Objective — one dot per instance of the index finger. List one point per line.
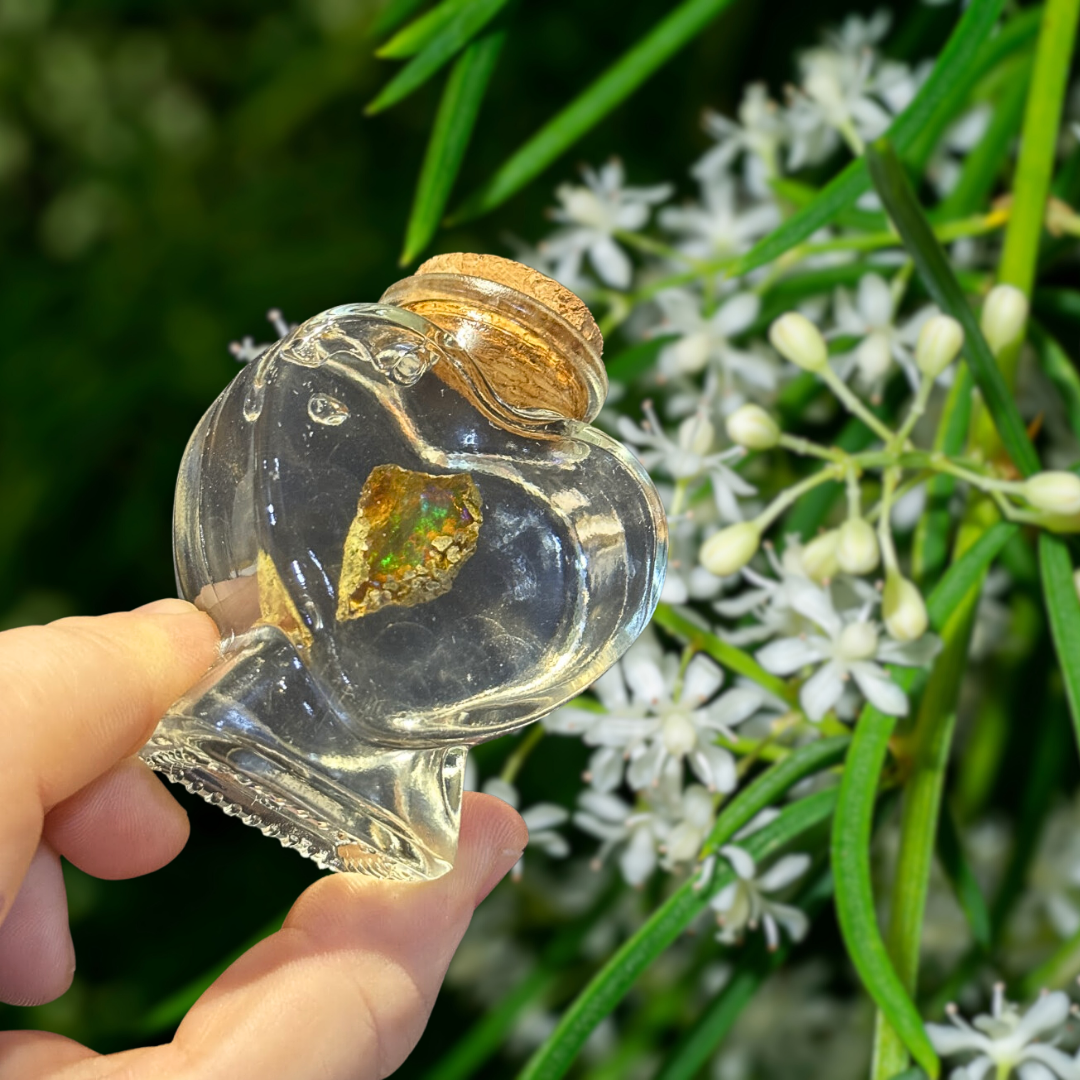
(78, 695)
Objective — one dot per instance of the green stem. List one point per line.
(793, 494)
(521, 753)
(854, 405)
(1038, 143)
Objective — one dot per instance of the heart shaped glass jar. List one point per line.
(412, 541)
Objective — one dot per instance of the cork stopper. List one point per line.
(524, 279)
(528, 349)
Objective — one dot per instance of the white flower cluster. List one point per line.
(821, 621)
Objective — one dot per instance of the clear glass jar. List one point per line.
(412, 541)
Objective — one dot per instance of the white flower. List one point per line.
(772, 600)
(670, 722)
(835, 100)
(742, 904)
(541, 819)
(706, 339)
(718, 228)
(1005, 1040)
(870, 316)
(593, 214)
(758, 135)
(688, 457)
(666, 829)
(847, 646)
(247, 349)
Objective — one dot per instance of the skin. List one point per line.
(343, 990)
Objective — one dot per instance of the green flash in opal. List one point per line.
(411, 535)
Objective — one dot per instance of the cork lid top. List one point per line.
(528, 350)
(524, 279)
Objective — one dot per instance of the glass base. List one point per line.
(388, 813)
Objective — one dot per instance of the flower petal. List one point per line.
(606, 768)
(875, 300)
(715, 767)
(790, 918)
(736, 314)
(1048, 1013)
(783, 872)
(638, 861)
(916, 653)
(879, 689)
(815, 604)
(544, 815)
(734, 706)
(948, 1039)
(821, 691)
(612, 264)
(787, 655)
(703, 677)
(742, 861)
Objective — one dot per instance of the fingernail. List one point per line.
(170, 606)
(501, 864)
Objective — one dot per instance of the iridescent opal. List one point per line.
(412, 533)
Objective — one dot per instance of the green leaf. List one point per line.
(953, 74)
(393, 15)
(1063, 608)
(854, 893)
(1038, 143)
(422, 31)
(967, 571)
(611, 984)
(735, 659)
(933, 266)
(957, 869)
(983, 167)
(465, 25)
(454, 123)
(616, 84)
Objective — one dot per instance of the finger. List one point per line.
(78, 695)
(36, 1054)
(37, 957)
(120, 825)
(344, 990)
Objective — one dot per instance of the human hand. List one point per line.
(344, 989)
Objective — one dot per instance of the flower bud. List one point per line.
(795, 337)
(857, 547)
(1053, 491)
(1003, 316)
(751, 426)
(939, 341)
(696, 435)
(730, 549)
(819, 556)
(903, 609)
(858, 641)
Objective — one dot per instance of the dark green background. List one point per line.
(186, 166)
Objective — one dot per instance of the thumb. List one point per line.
(357, 965)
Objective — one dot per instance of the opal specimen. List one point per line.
(411, 535)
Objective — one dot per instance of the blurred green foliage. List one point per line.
(168, 172)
